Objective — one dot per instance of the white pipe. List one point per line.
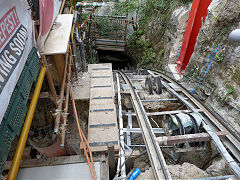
(118, 167)
(121, 133)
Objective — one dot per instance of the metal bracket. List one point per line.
(102, 125)
(101, 110)
(103, 143)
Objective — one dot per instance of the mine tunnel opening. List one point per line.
(119, 60)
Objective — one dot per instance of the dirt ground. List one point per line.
(183, 172)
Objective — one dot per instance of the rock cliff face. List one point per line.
(221, 85)
(167, 45)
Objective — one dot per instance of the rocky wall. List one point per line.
(221, 84)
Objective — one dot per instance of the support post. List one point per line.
(111, 160)
(197, 17)
(50, 80)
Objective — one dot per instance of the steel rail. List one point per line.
(216, 121)
(211, 124)
(154, 152)
(216, 116)
(121, 133)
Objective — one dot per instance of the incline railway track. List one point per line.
(225, 137)
(156, 156)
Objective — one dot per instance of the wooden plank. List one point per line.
(100, 81)
(102, 125)
(108, 48)
(100, 73)
(81, 87)
(108, 117)
(59, 60)
(92, 66)
(51, 161)
(58, 37)
(105, 92)
(109, 41)
(171, 140)
(102, 103)
(165, 112)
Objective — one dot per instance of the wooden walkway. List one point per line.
(102, 123)
(110, 45)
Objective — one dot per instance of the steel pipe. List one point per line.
(26, 127)
(60, 101)
(65, 111)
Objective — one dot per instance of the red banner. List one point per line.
(46, 8)
(8, 24)
(16, 41)
(48, 11)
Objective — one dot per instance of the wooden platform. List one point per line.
(57, 40)
(102, 123)
(81, 87)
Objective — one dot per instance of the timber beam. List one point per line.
(171, 140)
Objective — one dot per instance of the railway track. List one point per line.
(156, 157)
(213, 125)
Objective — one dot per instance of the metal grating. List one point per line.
(14, 117)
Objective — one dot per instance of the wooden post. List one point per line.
(49, 79)
(125, 32)
(111, 161)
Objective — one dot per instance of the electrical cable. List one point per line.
(83, 138)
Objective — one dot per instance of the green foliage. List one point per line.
(230, 91)
(122, 8)
(139, 48)
(195, 72)
(165, 7)
(236, 76)
(223, 32)
(106, 28)
(142, 48)
(219, 57)
(84, 16)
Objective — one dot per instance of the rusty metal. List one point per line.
(60, 101)
(65, 111)
(54, 150)
(211, 124)
(115, 40)
(179, 139)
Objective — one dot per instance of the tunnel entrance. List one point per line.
(119, 60)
